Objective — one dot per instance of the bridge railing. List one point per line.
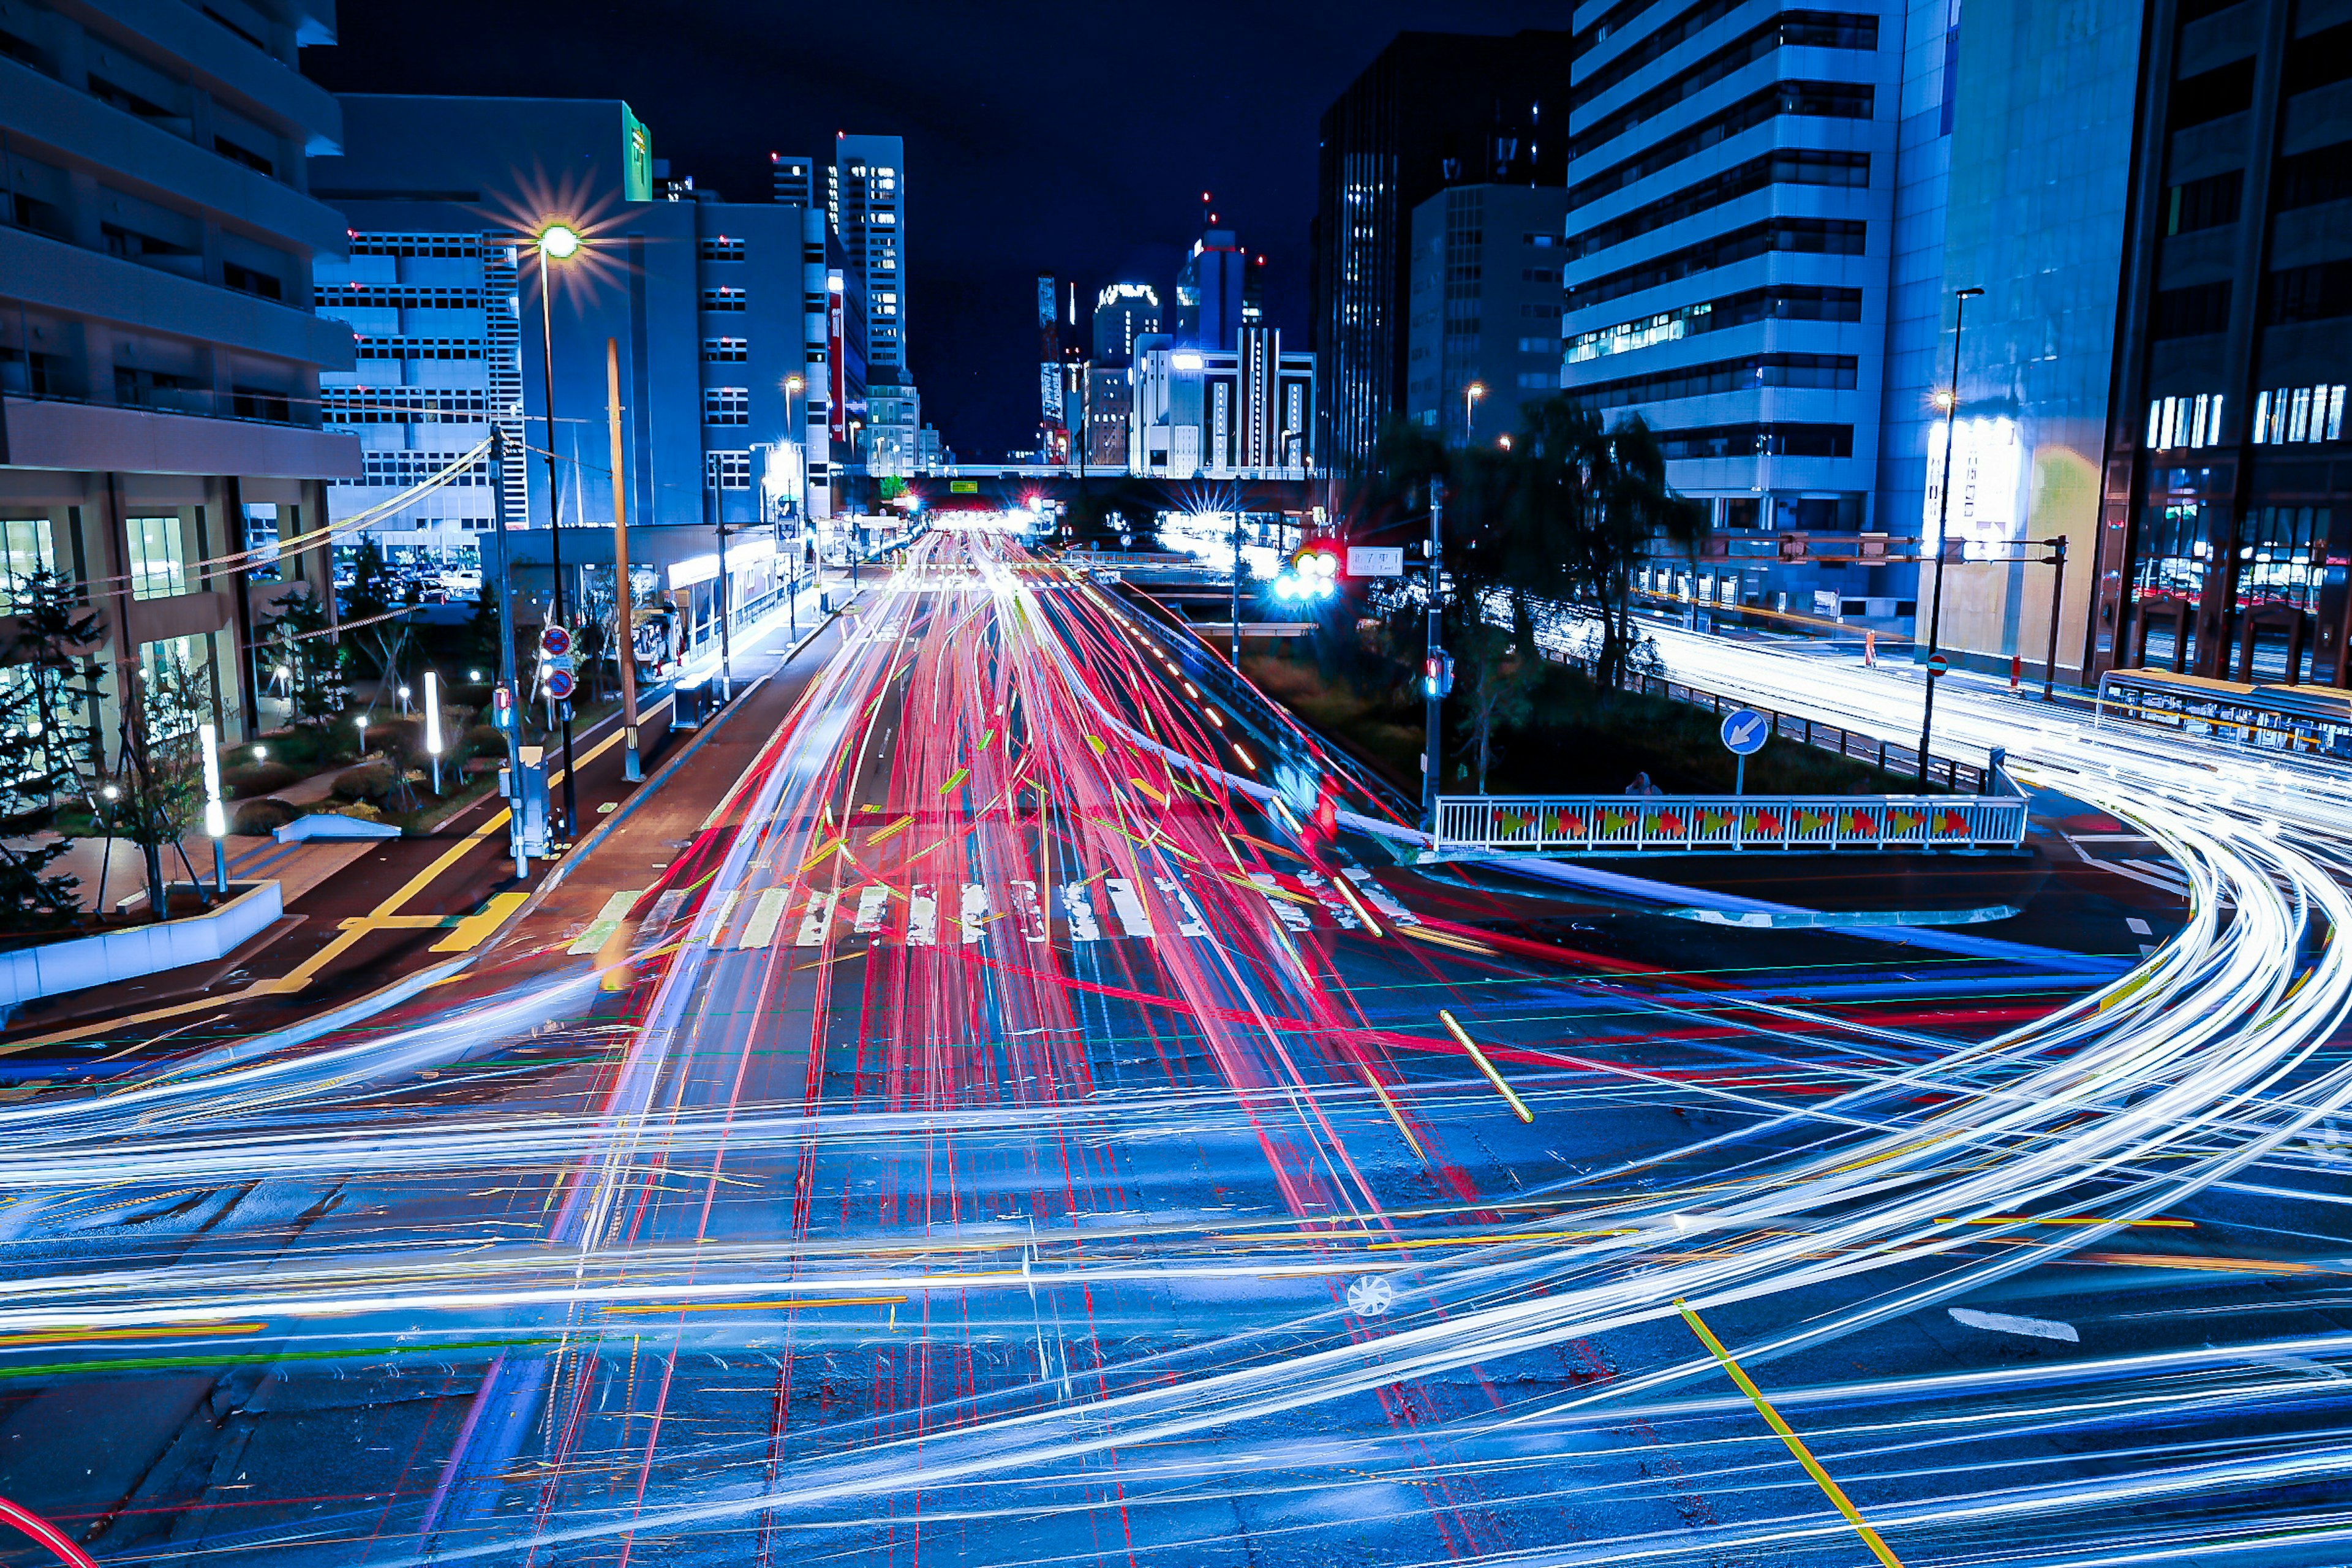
(1624, 824)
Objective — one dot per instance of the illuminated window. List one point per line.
(159, 557)
(26, 548)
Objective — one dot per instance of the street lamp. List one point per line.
(1950, 400)
(559, 241)
(1470, 397)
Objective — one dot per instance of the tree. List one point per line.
(482, 632)
(44, 740)
(303, 656)
(370, 604)
(161, 778)
(1586, 507)
(1499, 691)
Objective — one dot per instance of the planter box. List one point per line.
(75, 963)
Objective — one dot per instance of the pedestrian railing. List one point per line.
(1625, 824)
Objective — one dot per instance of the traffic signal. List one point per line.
(1437, 674)
(1311, 573)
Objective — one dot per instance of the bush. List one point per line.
(259, 818)
(484, 741)
(369, 781)
(248, 779)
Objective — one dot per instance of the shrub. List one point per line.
(259, 818)
(484, 740)
(248, 779)
(369, 781)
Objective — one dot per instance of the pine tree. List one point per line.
(44, 740)
(162, 781)
(302, 654)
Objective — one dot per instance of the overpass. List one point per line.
(1007, 487)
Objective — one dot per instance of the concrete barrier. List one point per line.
(75, 963)
(329, 825)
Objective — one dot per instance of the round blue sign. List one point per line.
(1745, 731)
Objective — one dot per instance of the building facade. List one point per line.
(1729, 225)
(1123, 312)
(865, 201)
(2225, 529)
(160, 407)
(703, 300)
(1247, 411)
(1433, 110)
(1485, 280)
(1211, 289)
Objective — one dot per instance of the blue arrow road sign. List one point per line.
(1745, 731)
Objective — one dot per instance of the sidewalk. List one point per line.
(369, 912)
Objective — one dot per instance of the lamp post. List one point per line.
(1952, 402)
(433, 726)
(794, 387)
(1470, 397)
(505, 673)
(215, 813)
(559, 241)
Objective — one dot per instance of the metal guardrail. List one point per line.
(1702, 822)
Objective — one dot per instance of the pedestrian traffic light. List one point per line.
(1311, 573)
(1437, 674)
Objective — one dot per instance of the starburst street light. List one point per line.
(558, 240)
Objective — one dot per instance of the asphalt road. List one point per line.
(993, 1130)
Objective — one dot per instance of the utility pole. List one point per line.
(1236, 584)
(1943, 543)
(624, 633)
(1429, 745)
(726, 600)
(507, 646)
(2057, 601)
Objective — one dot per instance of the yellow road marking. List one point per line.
(476, 928)
(1787, 1434)
(1518, 1106)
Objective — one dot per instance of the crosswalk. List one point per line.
(1100, 908)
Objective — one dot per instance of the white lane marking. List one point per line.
(1033, 916)
(608, 920)
(665, 910)
(714, 920)
(814, 919)
(1191, 924)
(974, 916)
(873, 904)
(1133, 917)
(1380, 898)
(2138, 926)
(1314, 883)
(2003, 1324)
(1288, 913)
(767, 913)
(922, 917)
(1080, 907)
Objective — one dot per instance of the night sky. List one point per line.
(1073, 138)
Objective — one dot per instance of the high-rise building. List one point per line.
(2227, 499)
(866, 200)
(1730, 219)
(1486, 308)
(1123, 312)
(1433, 110)
(703, 299)
(1111, 404)
(160, 360)
(1211, 288)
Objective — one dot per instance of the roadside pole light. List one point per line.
(260, 753)
(215, 815)
(403, 697)
(1950, 399)
(433, 725)
(1470, 397)
(559, 241)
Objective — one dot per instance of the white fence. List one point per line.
(1632, 823)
